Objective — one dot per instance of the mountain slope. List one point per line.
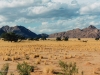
(20, 30)
(90, 32)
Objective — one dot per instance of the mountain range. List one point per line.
(89, 32)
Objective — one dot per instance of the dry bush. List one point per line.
(38, 61)
(36, 56)
(7, 58)
(48, 69)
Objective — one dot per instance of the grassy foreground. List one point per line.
(45, 55)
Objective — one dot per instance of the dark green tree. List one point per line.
(10, 37)
(43, 37)
(58, 39)
(36, 38)
(65, 38)
(79, 38)
(97, 38)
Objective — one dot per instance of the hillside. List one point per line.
(20, 30)
(89, 32)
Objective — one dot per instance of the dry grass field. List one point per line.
(45, 55)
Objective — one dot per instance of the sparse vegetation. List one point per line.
(11, 37)
(68, 69)
(11, 74)
(24, 68)
(96, 38)
(66, 38)
(32, 68)
(58, 39)
(79, 38)
(43, 37)
(47, 53)
(4, 69)
(48, 69)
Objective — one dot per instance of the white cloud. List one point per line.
(52, 15)
(46, 1)
(93, 23)
(65, 25)
(61, 1)
(91, 9)
(2, 18)
(15, 3)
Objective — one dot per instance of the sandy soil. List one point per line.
(85, 54)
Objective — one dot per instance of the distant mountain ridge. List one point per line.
(89, 32)
(20, 30)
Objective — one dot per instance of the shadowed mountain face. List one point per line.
(90, 32)
(20, 30)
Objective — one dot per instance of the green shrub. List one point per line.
(32, 68)
(58, 38)
(4, 69)
(96, 38)
(79, 39)
(65, 38)
(68, 69)
(27, 57)
(24, 68)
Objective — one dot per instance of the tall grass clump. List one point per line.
(4, 69)
(68, 68)
(24, 68)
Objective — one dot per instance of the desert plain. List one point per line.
(47, 54)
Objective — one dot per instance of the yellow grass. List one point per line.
(43, 53)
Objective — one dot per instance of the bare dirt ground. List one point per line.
(49, 53)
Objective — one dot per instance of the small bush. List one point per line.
(32, 68)
(4, 69)
(58, 38)
(24, 68)
(79, 39)
(48, 69)
(68, 69)
(96, 38)
(27, 57)
(11, 74)
(65, 38)
(36, 56)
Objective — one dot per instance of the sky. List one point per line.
(50, 16)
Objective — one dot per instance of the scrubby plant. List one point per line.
(36, 56)
(27, 57)
(48, 69)
(36, 38)
(4, 69)
(79, 38)
(96, 38)
(65, 38)
(11, 74)
(82, 73)
(38, 61)
(58, 39)
(68, 68)
(24, 68)
(32, 68)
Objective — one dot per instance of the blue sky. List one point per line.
(50, 16)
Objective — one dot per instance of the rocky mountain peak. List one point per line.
(92, 27)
